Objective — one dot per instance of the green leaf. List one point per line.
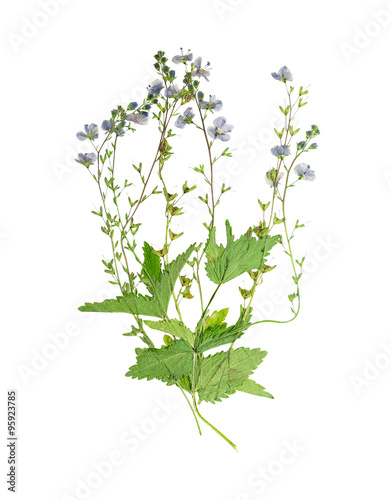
(219, 334)
(276, 220)
(237, 257)
(168, 363)
(252, 387)
(151, 265)
(216, 318)
(161, 290)
(220, 375)
(131, 304)
(173, 327)
(263, 205)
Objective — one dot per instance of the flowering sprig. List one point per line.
(178, 101)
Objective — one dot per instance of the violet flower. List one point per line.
(280, 151)
(86, 159)
(213, 104)
(184, 119)
(304, 172)
(90, 132)
(220, 129)
(200, 71)
(182, 58)
(140, 119)
(283, 75)
(155, 87)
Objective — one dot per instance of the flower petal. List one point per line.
(219, 122)
(217, 105)
(198, 62)
(81, 136)
(180, 122)
(227, 128)
(224, 137)
(212, 132)
(107, 125)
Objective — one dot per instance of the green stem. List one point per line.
(192, 410)
(212, 426)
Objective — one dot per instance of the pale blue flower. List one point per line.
(140, 119)
(90, 132)
(132, 105)
(199, 71)
(280, 151)
(155, 87)
(172, 91)
(109, 126)
(283, 75)
(182, 58)
(220, 129)
(304, 172)
(184, 119)
(213, 104)
(86, 158)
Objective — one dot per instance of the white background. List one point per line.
(327, 370)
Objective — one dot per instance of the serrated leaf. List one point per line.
(131, 304)
(237, 257)
(251, 387)
(161, 290)
(216, 318)
(168, 363)
(219, 334)
(173, 327)
(221, 374)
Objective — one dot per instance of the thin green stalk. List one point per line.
(213, 427)
(192, 409)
